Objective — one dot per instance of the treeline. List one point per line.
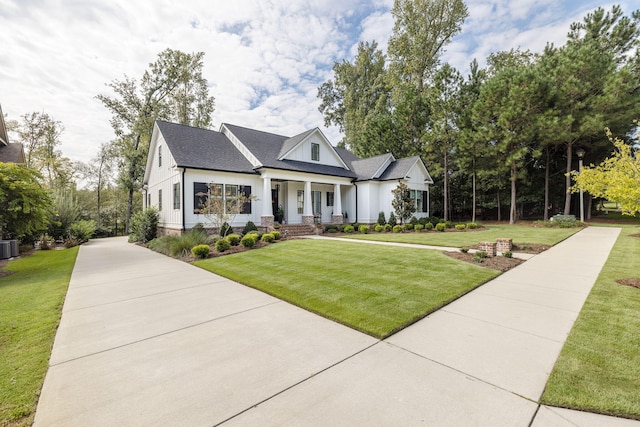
(504, 137)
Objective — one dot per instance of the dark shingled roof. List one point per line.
(290, 143)
(203, 149)
(12, 153)
(266, 147)
(366, 168)
(399, 169)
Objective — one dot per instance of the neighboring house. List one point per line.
(303, 177)
(9, 153)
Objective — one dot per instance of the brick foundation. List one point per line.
(267, 221)
(308, 219)
(489, 248)
(337, 219)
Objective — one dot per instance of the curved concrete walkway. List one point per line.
(148, 340)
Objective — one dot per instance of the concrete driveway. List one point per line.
(146, 340)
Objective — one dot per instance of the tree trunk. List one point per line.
(473, 191)
(567, 181)
(587, 208)
(127, 221)
(446, 189)
(546, 187)
(499, 207)
(512, 210)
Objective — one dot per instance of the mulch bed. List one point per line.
(499, 263)
(634, 235)
(527, 248)
(633, 282)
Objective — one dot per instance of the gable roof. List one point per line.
(400, 169)
(12, 153)
(266, 147)
(229, 150)
(202, 149)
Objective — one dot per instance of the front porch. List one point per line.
(308, 202)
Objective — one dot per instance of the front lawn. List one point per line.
(518, 233)
(599, 366)
(30, 307)
(377, 290)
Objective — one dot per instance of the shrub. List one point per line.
(418, 227)
(428, 226)
(102, 232)
(481, 254)
(276, 235)
(331, 228)
(397, 229)
(364, 229)
(378, 228)
(349, 229)
(449, 224)
(234, 239)
(249, 240)
(70, 242)
(381, 219)
(408, 227)
(46, 242)
(392, 220)
(507, 254)
(441, 226)
(388, 227)
(464, 250)
(460, 226)
(25, 247)
(200, 251)
(82, 230)
(179, 246)
(222, 245)
(413, 220)
(144, 225)
(249, 227)
(225, 229)
(472, 225)
(267, 238)
(423, 221)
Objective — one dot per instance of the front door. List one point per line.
(274, 204)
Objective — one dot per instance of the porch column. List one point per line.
(337, 218)
(307, 215)
(266, 220)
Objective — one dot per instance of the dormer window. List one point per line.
(315, 151)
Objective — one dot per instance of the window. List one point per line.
(202, 192)
(176, 195)
(416, 196)
(245, 190)
(316, 202)
(200, 196)
(159, 155)
(315, 151)
(300, 201)
(329, 198)
(159, 200)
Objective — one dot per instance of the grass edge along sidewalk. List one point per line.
(31, 302)
(599, 366)
(377, 291)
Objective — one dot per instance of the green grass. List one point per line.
(519, 233)
(599, 367)
(378, 292)
(30, 308)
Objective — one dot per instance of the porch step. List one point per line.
(297, 230)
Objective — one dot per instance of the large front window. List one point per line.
(219, 197)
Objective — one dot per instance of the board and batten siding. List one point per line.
(163, 176)
(328, 156)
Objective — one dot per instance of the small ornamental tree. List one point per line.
(25, 205)
(616, 179)
(219, 208)
(402, 204)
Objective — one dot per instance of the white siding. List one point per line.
(162, 178)
(302, 152)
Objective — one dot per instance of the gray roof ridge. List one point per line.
(253, 130)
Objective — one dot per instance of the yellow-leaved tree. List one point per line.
(616, 179)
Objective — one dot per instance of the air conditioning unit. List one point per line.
(15, 251)
(5, 249)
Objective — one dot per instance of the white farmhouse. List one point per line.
(303, 179)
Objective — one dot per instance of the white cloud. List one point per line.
(263, 59)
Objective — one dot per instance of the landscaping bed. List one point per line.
(499, 263)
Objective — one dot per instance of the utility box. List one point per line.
(15, 248)
(5, 249)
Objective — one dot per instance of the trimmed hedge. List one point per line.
(200, 251)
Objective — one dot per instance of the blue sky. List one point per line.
(264, 59)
